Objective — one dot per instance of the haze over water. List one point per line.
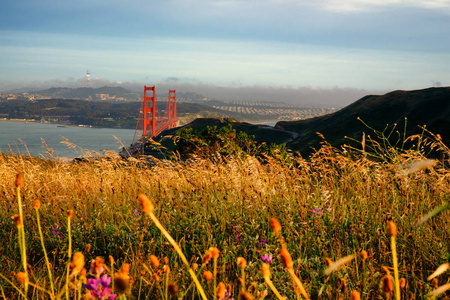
(24, 138)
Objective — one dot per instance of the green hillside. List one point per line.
(430, 107)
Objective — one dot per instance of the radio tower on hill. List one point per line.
(88, 79)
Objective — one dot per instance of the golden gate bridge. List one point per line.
(150, 121)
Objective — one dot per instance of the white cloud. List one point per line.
(350, 6)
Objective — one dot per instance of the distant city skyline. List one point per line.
(293, 47)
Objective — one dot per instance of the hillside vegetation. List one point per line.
(242, 227)
(398, 111)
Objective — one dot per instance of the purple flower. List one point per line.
(135, 212)
(266, 258)
(316, 211)
(263, 242)
(55, 231)
(99, 287)
(238, 238)
(236, 228)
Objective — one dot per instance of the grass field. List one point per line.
(333, 210)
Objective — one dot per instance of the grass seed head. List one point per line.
(392, 229)
(22, 277)
(97, 266)
(37, 204)
(207, 275)
(387, 285)
(355, 295)
(146, 204)
(194, 266)
(286, 258)
(17, 221)
(363, 254)
(122, 280)
(172, 288)
(243, 295)
(19, 180)
(214, 252)
(241, 262)
(275, 225)
(77, 263)
(434, 283)
(402, 283)
(207, 257)
(166, 269)
(154, 262)
(265, 270)
(221, 290)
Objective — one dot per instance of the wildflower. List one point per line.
(99, 287)
(238, 238)
(236, 228)
(135, 212)
(266, 258)
(263, 242)
(316, 211)
(55, 231)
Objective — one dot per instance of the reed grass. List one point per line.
(332, 205)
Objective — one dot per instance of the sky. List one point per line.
(315, 52)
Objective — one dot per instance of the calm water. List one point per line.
(20, 137)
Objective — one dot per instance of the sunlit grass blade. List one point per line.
(432, 214)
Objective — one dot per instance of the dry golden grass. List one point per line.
(330, 206)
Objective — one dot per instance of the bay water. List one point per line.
(51, 140)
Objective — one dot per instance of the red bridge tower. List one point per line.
(150, 120)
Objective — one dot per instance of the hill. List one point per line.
(102, 93)
(430, 107)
